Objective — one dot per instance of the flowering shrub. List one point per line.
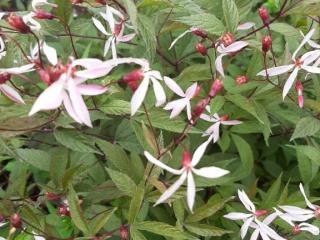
(156, 119)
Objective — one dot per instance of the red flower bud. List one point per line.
(133, 85)
(200, 48)
(299, 90)
(296, 230)
(18, 23)
(186, 159)
(227, 39)
(266, 43)
(264, 15)
(200, 33)
(52, 197)
(4, 77)
(63, 210)
(199, 108)
(216, 87)
(124, 234)
(134, 76)
(242, 80)
(41, 14)
(15, 221)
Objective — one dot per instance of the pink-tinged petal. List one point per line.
(246, 201)
(246, 26)
(179, 37)
(296, 210)
(139, 95)
(51, 98)
(191, 191)
(189, 115)
(110, 18)
(116, 12)
(87, 62)
(237, 216)
(309, 228)
(309, 57)
(50, 53)
(161, 164)
(198, 153)
(289, 82)
(245, 227)
(107, 46)
(236, 46)
(11, 93)
(78, 104)
(38, 3)
(210, 172)
(231, 122)
(304, 41)
(69, 108)
(91, 89)
(177, 106)
(309, 204)
(191, 91)
(218, 64)
(173, 86)
(269, 231)
(100, 26)
(172, 189)
(18, 70)
(140, 61)
(311, 69)
(126, 38)
(276, 70)
(114, 49)
(158, 92)
(313, 44)
(214, 131)
(255, 235)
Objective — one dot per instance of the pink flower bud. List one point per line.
(2, 218)
(134, 76)
(299, 90)
(52, 196)
(264, 15)
(186, 159)
(200, 48)
(200, 33)
(4, 77)
(266, 43)
(242, 80)
(227, 39)
(317, 213)
(216, 87)
(133, 85)
(296, 230)
(15, 221)
(123, 232)
(18, 23)
(41, 14)
(199, 108)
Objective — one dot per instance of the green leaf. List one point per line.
(285, 29)
(147, 32)
(76, 211)
(231, 14)
(307, 126)
(58, 164)
(206, 230)
(101, 220)
(207, 22)
(135, 234)
(216, 104)
(132, 12)
(37, 158)
(163, 229)
(64, 10)
(135, 204)
(272, 196)
(123, 182)
(116, 107)
(311, 152)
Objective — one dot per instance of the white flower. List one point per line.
(178, 105)
(117, 28)
(48, 51)
(298, 63)
(300, 214)
(297, 228)
(3, 51)
(186, 172)
(215, 128)
(69, 88)
(38, 3)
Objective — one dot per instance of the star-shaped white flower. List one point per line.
(177, 106)
(117, 29)
(49, 52)
(300, 214)
(298, 63)
(217, 121)
(186, 173)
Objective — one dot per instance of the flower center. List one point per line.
(224, 118)
(296, 230)
(317, 213)
(298, 62)
(117, 29)
(4, 77)
(186, 160)
(260, 213)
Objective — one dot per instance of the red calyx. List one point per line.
(241, 80)
(227, 39)
(260, 213)
(18, 23)
(41, 14)
(52, 197)
(264, 15)
(133, 85)
(124, 234)
(216, 87)
(224, 117)
(4, 77)
(200, 48)
(117, 29)
(296, 230)
(63, 210)
(186, 159)
(15, 221)
(200, 33)
(266, 43)
(134, 76)
(199, 108)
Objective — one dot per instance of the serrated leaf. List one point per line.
(37, 158)
(101, 220)
(206, 230)
(311, 152)
(116, 107)
(123, 182)
(285, 29)
(307, 126)
(135, 204)
(231, 14)
(147, 32)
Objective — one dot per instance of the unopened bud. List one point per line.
(41, 14)
(264, 15)
(299, 90)
(200, 33)
(200, 48)
(241, 80)
(52, 196)
(133, 85)
(124, 234)
(134, 76)
(64, 210)
(4, 77)
(199, 108)
(216, 87)
(266, 43)
(15, 221)
(18, 23)
(227, 39)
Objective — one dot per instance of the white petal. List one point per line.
(113, 48)
(91, 89)
(296, 210)
(179, 37)
(231, 122)
(158, 92)
(237, 216)
(304, 41)
(198, 153)
(18, 70)
(172, 189)
(309, 57)
(191, 191)
(255, 235)
(155, 74)
(11, 93)
(126, 38)
(50, 53)
(311, 69)
(218, 64)
(87, 62)
(269, 219)
(246, 201)
(69, 108)
(139, 95)
(246, 25)
(309, 228)
(110, 18)
(107, 46)
(177, 106)
(309, 204)
(100, 26)
(189, 111)
(236, 46)
(269, 231)
(51, 98)
(245, 227)
(173, 86)
(210, 172)
(206, 117)
(276, 70)
(161, 164)
(213, 130)
(191, 90)
(289, 82)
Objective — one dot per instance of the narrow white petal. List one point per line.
(206, 117)
(69, 108)
(87, 62)
(296, 210)
(236, 46)
(246, 201)
(107, 46)
(276, 70)
(289, 82)
(161, 164)
(219, 65)
(309, 57)
(269, 231)
(191, 191)
(50, 53)
(231, 122)
(210, 172)
(246, 26)
(245, 227)
(11, 93)
(191, 90)
(173, 86)
(198, 153)
(237, 216)
(100, 26)
(189, 114)
(304, 41)
(114, 49)
(139, 95)
(309, 228)
(126, 38)
(255, 235)
(91, 89)
(179, 37)
(177, 106)
(110, 18)
(269, 219)
(18, 70)
(311, 69)
(309, 204)
(213, 130)
(158, 92)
